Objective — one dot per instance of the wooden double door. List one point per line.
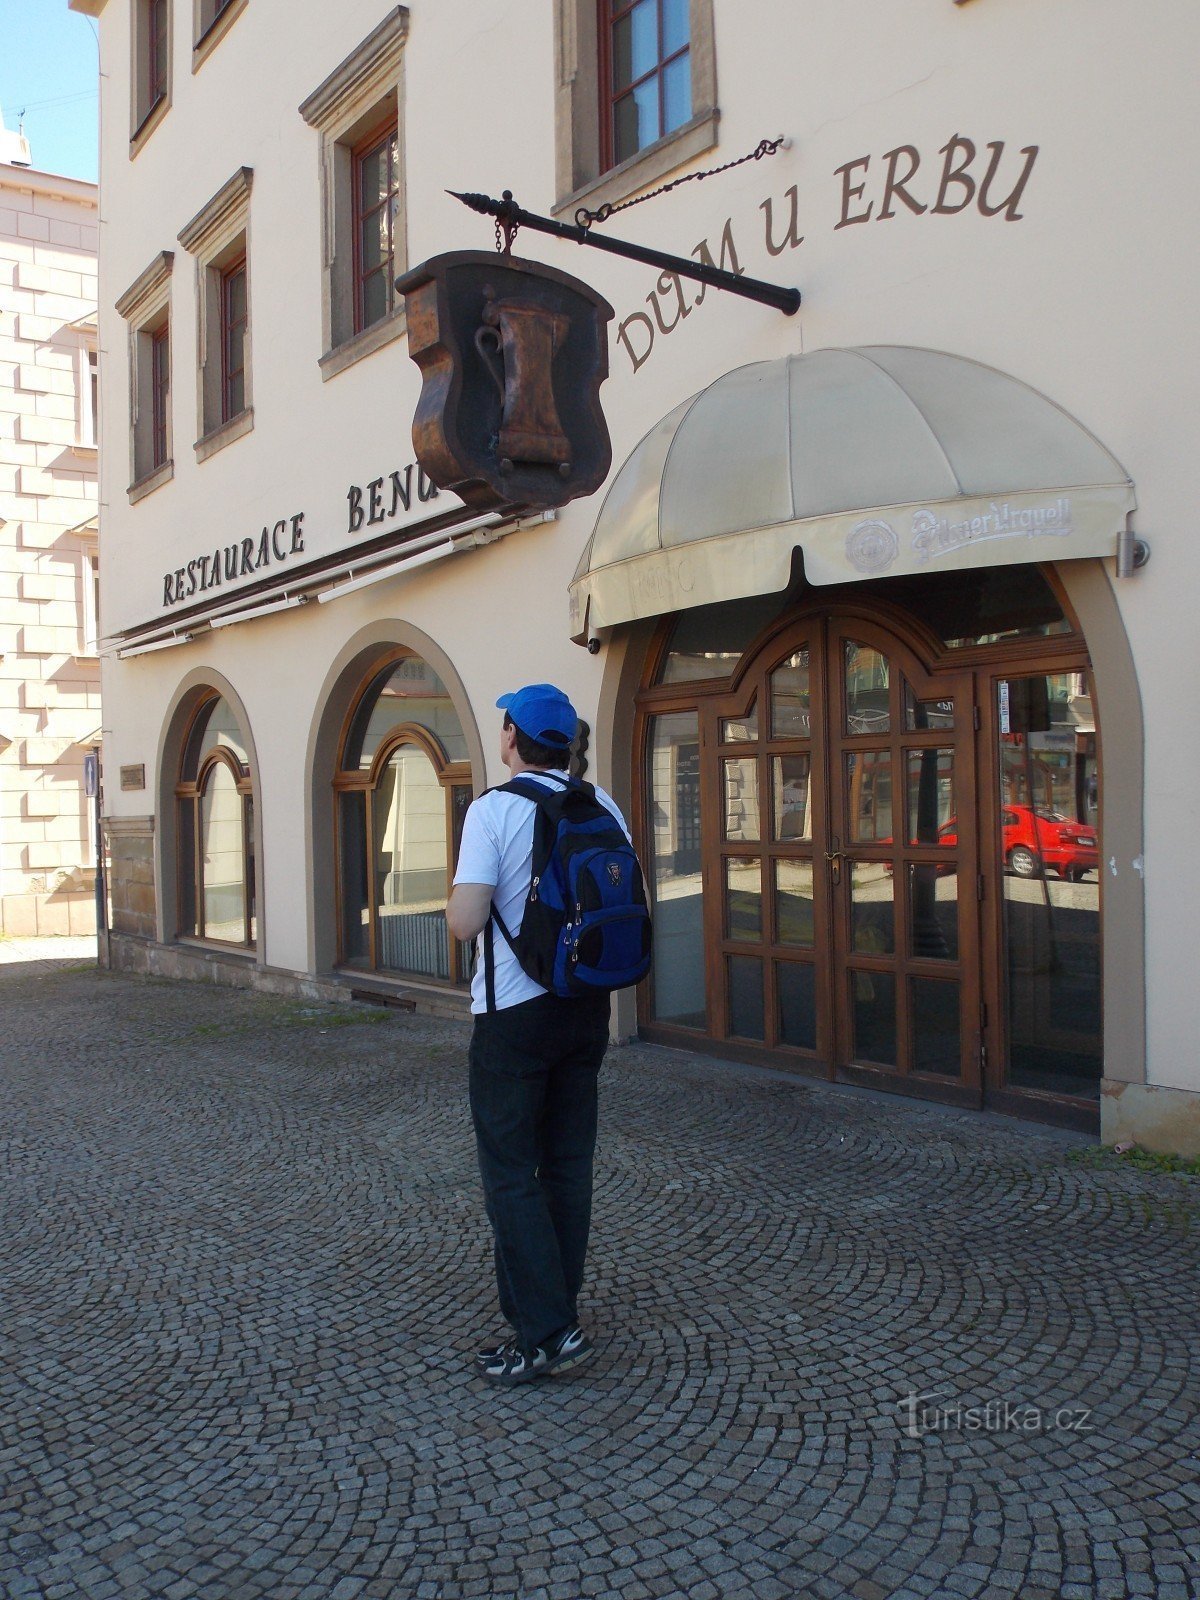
(842, 859)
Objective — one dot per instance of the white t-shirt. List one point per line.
(497, 849)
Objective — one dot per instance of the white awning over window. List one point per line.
(874, 462)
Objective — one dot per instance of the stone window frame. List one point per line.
(216, 237)
(360, 93)
(578, 175)
(146, 114)
(146, 307)
(210, 25)
(89, 579)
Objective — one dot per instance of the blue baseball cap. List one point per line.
(542, 712)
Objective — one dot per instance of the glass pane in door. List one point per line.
(746, 997)
(869, 795)
(1049, 846)
(872, 908)
(743, 897)
(791, 711)
(673, 785)
(868, 708)
(796, 985)
(790, 796)
(873, 1009)
(410, 866)
(794, 902)
(936, 1044)
(740, 790)
(222, 845)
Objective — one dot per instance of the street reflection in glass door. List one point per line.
(1049, 806)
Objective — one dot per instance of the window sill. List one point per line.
(644, 168)
(361, 345)
(218, 947)
(217, 438)
(141, 487)
(148, 124)
(215, 32)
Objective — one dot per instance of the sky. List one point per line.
(49, 67)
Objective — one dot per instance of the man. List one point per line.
(534, 1062)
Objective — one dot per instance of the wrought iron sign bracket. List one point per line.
(510, 216)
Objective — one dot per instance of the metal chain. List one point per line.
(584, 218)
(505, 234)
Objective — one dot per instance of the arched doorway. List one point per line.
(402, 787)
(870, 821)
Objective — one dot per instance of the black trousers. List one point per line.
(534, 1072)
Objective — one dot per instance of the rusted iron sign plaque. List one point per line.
(512, 355)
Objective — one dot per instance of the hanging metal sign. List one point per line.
(512, 354)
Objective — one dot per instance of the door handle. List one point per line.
(833, 855)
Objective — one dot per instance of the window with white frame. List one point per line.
(635, 97)
(89, 578)
(359, 114)
(87, 390)
(145, 305)
(218, 238)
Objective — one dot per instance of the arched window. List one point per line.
(216, 829)
(403, 785)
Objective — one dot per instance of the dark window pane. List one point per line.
(872, 908)
(375, 298)
(873, 995)
(677, 93)
(405, 691)
(919, 714)
(1049, 848)
(931, 796)
(187, 869)
(235, 395)
(673, 785)
(933, 911)
(708, 641)
(236, 288)
(796, 983)
(937, 1043)
(746, 997)
(355, 903)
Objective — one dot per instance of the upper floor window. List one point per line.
(234, 318)
(359, 114)
(218, 237)
(146, 307)
(635, 97)
(160, 395)
(647, 73)
(211, 21)
(376, 203)
(151, 66)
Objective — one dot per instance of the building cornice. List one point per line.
(226, 207)
(89, 8)
(146, 290)
(365, 73)
(50, 183)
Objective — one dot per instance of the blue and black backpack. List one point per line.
(586, 924)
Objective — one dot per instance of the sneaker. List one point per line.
(508, 1363)
(570, 1349)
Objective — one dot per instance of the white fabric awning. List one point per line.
(874, 462)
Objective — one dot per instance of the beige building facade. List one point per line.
(49, 666)
(861, 627)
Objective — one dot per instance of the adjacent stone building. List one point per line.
(49, 669)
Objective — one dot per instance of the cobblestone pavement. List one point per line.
(243, 1262)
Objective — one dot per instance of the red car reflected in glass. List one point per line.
(1041, 841)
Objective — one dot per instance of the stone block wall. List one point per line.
(131, 876)
(49, 669)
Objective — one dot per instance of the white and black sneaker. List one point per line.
(508, 1363)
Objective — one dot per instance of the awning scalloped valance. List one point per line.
(874, 462)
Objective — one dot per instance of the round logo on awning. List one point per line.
(872, 546)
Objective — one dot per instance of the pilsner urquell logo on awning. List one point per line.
(934, 536)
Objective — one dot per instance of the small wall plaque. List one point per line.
(134, 777)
